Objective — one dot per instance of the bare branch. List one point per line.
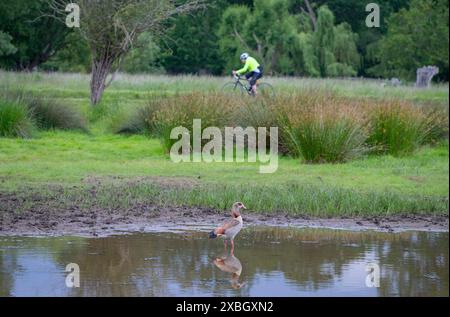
(310, 13)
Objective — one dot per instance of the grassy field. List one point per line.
(126, 170)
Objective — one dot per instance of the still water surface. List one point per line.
(267, 262)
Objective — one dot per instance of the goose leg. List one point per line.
(232, 247)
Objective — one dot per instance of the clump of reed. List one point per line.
(436, 124)
(214, 110)
(399, 128)
(322, 128)
(139, 121)
(15, 120)
(50, 114)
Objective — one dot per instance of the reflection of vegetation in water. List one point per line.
(422, 264)
(16, 253)
(303, 261)
(8, 265)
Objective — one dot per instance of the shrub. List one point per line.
(15, 120)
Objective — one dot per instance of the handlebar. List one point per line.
(239, 77)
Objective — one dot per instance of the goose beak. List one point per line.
(244, 206)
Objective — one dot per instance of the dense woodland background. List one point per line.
(315, 38)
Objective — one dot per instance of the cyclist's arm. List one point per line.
(244, 69)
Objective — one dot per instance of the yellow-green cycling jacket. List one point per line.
(251, 65)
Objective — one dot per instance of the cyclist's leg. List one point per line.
(249, 77)
(255, 79)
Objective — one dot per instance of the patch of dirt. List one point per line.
(164, 182)
(44, 217)
(417, 179)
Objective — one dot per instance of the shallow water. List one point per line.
(267, 262)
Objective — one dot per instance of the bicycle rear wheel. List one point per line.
(265, 90)
(233, 88)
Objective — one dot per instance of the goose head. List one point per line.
(236, 210)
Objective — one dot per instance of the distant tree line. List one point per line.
(317, 38)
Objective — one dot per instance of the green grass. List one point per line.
(139, 87)
(128, 169)
(71, 159)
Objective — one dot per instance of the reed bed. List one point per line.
(314, 125)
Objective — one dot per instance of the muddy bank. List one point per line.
(41, 218)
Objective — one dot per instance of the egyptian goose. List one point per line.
(231, 228)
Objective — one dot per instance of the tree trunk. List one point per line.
(100, 70)
(425, 76)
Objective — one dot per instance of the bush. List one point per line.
(15, 120)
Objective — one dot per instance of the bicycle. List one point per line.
(241, 85)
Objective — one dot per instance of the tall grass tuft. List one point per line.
(50, 114)
(396, 128)
(46, 113)
(260, 112)
(214, 109)
(140, 121)
(321, 129)
(15, 120)
(435, 124)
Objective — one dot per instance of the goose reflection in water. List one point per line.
(231, 264)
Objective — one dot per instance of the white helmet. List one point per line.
(244, 56)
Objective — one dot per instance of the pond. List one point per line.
(267, 261)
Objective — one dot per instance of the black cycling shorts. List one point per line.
(254, 76)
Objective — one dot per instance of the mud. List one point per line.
(42, 218)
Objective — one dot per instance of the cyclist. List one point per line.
(252, 69)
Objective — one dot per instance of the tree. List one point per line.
(331, 50)
(193, 43)
(353, 13)
(418, 36)
(6, 48)
(112, 27)
(268, 32)
(34, 34)
(73, 56)
(144, 57)
(307, 43)
(323, 39)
